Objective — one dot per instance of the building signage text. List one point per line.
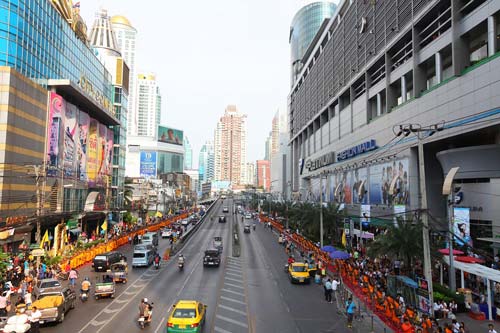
(98, 96)
(357, 150)
(320, 162)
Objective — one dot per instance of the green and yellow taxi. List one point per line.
(186, 316)
(298, 272)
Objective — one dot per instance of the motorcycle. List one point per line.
(181, 266)
(254, 227)
(84, 295)
(145, 320)
(157, 264)
(286, 268)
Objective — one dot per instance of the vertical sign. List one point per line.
(92, 153)
(101, 154)
(461, 225)
(148, 164)
(70, 133)
(82, 147)
(54, 125)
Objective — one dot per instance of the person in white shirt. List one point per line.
(35, 320)
(335, 284)
(27, 299)
(491, 328)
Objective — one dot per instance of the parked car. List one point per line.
(55, 305)
(46, 286)
(102, 262)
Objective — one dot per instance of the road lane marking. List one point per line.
(97, 323)
(221, 330)
(233, 292)
(233, 269)
(106, 310)
(232, 300)
(234, 310)
(189, 276)
(159, 326)
(234, 274)
(229, 320)
(228, 278)
(233, 285)
(120, 301)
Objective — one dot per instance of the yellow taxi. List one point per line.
(186, 316)
(299, 272)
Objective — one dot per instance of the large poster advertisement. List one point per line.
(70, 134)
(109, 152)
(365, 215)
(83, 134)
(148, 164)
(92, 153)
(55, 122)
(381, 178)
(346, 180)
(170, 135)
(360, 186)
(315, 190)
(335, 181)
(101, 154)
(461, 225)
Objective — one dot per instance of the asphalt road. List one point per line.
(250, 293)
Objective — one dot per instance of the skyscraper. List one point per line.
(267, 148)
(148, 105)
(275, 134)
(188, 154)
(230, 146)
(263, 175)
(250, 174)
(126, 36)
(206, 162)
(305, 25)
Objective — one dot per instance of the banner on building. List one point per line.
(101, 154)
(83, 134)
(365, 215)
(461, 225)
(170, 135)
(92, 152)
(148, 164)
(57, 107)
(360, 186)
(109, 152)
(70, 136)
(382, 176)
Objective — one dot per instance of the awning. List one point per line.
(6, 234)
(71, 224)
(364, 234)
(476, 269)
(95, 202)
(75, 231)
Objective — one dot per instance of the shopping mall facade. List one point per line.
(57, 103)
(384, 77)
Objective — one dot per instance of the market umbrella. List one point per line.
(470, 260)
(447, 252)
(328, 248)
(339, 255)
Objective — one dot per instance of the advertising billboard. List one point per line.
(70, 133)
(57, 108)
(101, 154)
(381, 177)
(360, 186)
(170, 135)
(92, 152)
(147, 167)
(109, 151)
(83, 134)
(461, 225)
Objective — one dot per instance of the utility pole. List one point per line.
(38, 235)
(321, 210)
(449, 190)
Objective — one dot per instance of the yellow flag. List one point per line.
(344, 239)
(45, 238)
(65, 238)
(97, 230)
(170, 211)
(104, 225)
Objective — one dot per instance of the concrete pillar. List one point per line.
(439, 67)
(403, 88)
(490, 301)
(492, 35)
(462, 279)
(379, 104)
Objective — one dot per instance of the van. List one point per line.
(142, 258)
(102, 262)
(150, 238)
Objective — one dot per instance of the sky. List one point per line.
(208, 54)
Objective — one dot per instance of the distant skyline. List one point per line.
(208, 56)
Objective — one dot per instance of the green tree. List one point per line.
(402, 240)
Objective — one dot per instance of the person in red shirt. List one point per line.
(291, 260)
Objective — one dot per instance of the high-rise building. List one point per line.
(102, 39)
(275, 133)
(263, 175)
(230, 146)
(148, 105)
(268, 147)
(188, 154)
(206, 162)
(250, 179)
(305, 25)
(126, 37)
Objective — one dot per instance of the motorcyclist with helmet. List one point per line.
(85, 285)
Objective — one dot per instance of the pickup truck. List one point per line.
(211, 258)
(55, 305)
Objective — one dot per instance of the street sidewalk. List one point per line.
(472, 325)
(364, 320)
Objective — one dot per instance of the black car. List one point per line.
(222, 219)
(211, 258)
(102, 262)
(246, 229)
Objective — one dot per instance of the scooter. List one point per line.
(157, 264)
(286, 268)
(145, 320)
(181, 266)
(84, 295)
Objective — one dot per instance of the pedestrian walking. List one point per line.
(335, 286)
(73, 275)
(328, 291)
(350, 308)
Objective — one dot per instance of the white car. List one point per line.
(185, 222)
(248, 216)
(166, 233)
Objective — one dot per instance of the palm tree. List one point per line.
(402, 240)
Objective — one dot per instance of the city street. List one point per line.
(250, 293)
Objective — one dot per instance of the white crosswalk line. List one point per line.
(233, 292)
(232, 300)
(231, 309)
(221, 330)
(233, 285)
(229, 320)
